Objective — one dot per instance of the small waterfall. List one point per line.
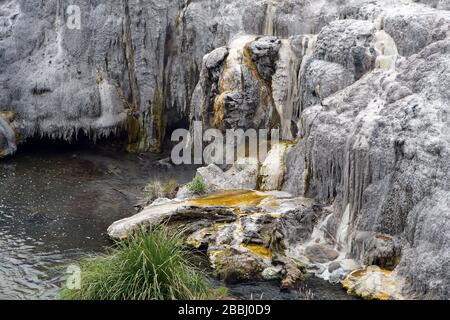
(308, 46)
(387, 52)
(112, 114)
(270, 11)
(232, 73)
(343, 231)
(284, 87)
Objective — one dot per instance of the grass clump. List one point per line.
(152, 266)
(158, 189)
(197, 186)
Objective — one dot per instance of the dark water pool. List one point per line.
(55, 206)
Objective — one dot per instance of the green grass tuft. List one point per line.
(151, 266)
(197, 186)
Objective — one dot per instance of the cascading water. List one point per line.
(232, 72)
(270, 11)
(343, 231)
(284, 87)
(387, 52)
(308, 45)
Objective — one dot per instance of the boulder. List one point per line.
(264, 52)
(233, 266)
(349, 43)
(271, 273)
(242, 175)
(378, 249)
(374, 283)
(235, 95)
(321, 79)
(318, 253)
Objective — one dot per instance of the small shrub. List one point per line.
(197, 186)
(145, 267)
(157, 189)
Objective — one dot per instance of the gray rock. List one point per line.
(317, 253)
(214, 59)
(271, 172)
(334, 266)
(264, 52)
(178, 213)
(349, 43)
(257, 229)
(377, 249)
(380, 150)
(296, 226)
(271, 273)
(242, 175)
(322, 79)
(234, 266)
(439, 4)
(413, 31)
(235, 95)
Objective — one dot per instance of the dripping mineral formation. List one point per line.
(359, 191)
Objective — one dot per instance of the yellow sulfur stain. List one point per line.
(259, 250)
(195, 240)
(219, 111)
(361, 283)
(7, 115)
(234, 198)
(382, 296)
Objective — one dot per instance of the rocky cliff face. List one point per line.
(370, 107)
(361, 87)
(132, 65)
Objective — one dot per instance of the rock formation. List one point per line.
(359, 88)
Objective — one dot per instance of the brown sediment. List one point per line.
(307, 178)
(250, 64)
(133, 128)
(177, 20)
(219, 111)
(10, 117)
(158, 120)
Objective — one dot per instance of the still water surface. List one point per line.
(55, 206)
